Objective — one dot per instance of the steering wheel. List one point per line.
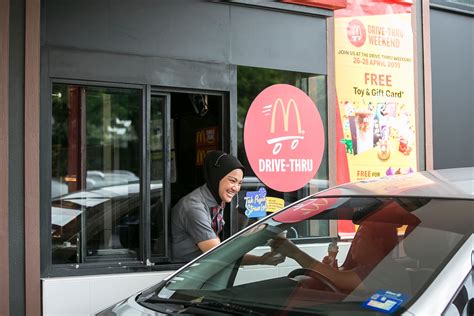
(315, 275)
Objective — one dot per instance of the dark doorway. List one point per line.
(196, 126)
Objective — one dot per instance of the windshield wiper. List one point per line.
(208, 305)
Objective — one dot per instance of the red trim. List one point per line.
(325, 4)
(345, 229)
(342, 167)
(374, 7)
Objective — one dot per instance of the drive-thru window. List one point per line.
(122, 155)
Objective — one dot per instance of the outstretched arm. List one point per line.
(269, 258)
(206, 245)
(344, 280)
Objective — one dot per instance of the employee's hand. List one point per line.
(272, 258)
(284, 246)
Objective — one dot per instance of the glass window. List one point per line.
(95, 202)
(250, 82)
(464, 6)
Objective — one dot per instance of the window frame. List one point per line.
(147, 261)
(453, 6)
(306, 190)
(166, 185)
(113, 266)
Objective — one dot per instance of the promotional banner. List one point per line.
(375, 86)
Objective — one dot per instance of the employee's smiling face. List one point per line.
(230, 184)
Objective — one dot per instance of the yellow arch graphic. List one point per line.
(286, 114)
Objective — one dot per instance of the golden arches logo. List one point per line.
(200, 156)
(277, 141)
(356, 33)
(200, 137)
(286, 114)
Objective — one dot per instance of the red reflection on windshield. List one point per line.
(306, 209)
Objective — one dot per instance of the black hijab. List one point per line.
(217, 165)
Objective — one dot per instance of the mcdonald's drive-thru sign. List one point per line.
(284, 137)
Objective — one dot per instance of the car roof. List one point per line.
(444, 183)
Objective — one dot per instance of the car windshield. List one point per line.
(398, 247)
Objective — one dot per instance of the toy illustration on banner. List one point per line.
(403, 146)
(380, 123)
(364, 130)
(405, 132)
(256, 203)
(391, 171)
(375, 127)
(383, 151)
(350, 125)
(348, 143)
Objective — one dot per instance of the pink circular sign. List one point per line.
(284, 137)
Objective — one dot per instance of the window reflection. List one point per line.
(95, 173)
(251, 81)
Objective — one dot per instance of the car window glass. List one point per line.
(399, 247)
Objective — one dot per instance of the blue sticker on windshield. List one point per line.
(385, 301)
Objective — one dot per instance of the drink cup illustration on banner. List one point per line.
(284, 137)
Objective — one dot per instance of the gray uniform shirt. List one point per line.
(191, 223)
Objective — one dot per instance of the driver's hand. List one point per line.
(272, 258)
(332, 263)
(284, 246)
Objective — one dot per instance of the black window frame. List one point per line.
(48, 269)
(147, 261)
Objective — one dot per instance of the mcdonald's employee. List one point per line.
(197, 219)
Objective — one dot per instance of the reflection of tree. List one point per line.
(113, 123)
(59, 130)
(118, 128)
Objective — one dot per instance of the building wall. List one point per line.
(16, 125)
(91, 294)
(452, 62)
(180, 44)
(201, 31)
